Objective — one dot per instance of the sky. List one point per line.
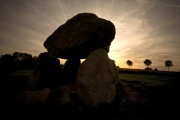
(145, 29)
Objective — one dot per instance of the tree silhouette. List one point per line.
(16, 57)
(6, 61)
(147, 62)
(168, 64)
(17, 60)
(129, 63)
(22, 60)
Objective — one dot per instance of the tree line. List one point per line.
(148, 62)
(17, 60)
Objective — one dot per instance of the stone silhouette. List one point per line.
(33, 98)
(46, 74)
(69, 71)
(80, 35)
(90, 84)
(96, 79)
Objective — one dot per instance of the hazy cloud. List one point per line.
(144, 28)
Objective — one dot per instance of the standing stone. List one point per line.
(47, 73)
(96, 79)
(70, 70)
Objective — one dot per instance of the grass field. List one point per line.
(154, 96)
(13, 82)
(150, 80)
(15, 73)
(139, 96)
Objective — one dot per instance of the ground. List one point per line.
(139, 97)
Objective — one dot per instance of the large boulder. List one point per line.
(46, 74)
(96, 79)
(33, 98)
(70, 70)
(80, 35)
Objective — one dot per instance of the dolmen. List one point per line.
(91, 82)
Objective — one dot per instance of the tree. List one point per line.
(129, 63)
(16, 57)
(147, 62)
(168, 64)
(17, 60)
(26, 60)
(23, 60)
(6, 61)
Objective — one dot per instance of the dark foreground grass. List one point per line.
(139, 96)
(14, 73)
(13, 82)
(153, 96)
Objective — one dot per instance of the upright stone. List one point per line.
(96, 79)
(46, 74)
(70, 70)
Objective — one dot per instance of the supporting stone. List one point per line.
(96, 79)
(46, 74)
(70, 70)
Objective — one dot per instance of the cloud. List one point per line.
(28, 27)
(144, 28)
(62, 9)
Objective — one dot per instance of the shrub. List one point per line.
(155, 69)
(148, 68)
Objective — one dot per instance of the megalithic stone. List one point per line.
(46, 74)
(70, 70)
(80, 35)
(96, 79)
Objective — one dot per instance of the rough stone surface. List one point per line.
(46, 74)
(33, 98)
(70, 70)
(66, 92)
(80, 35)
(96, 79)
